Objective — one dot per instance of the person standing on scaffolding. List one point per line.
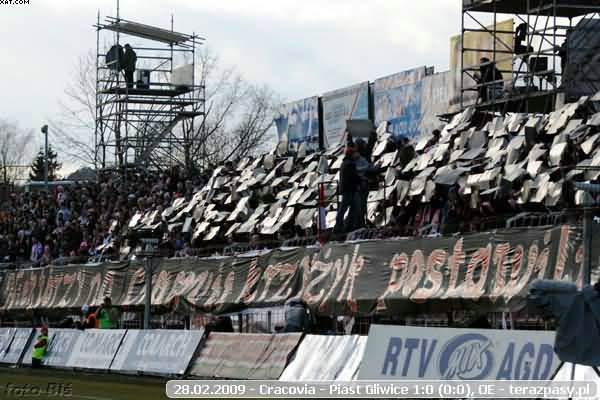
(128, 64)
(489, 80)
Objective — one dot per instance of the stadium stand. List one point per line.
(479, 172)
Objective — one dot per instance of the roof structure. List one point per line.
(564, 8)
(147, 32)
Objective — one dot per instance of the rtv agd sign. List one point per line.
(395, 352)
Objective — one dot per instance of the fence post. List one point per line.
(269, 321)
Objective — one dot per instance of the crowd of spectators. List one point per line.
(80, 220)
(474, 175)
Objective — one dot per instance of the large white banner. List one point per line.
(15, 350)
(326, 358)
(436, 92)
(60, 346)
(160, 352)
(402, 352)
(6, 335)
(96, 348)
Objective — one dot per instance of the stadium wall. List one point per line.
(389, 352)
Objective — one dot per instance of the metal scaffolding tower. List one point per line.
(151, 124)
(551, 54)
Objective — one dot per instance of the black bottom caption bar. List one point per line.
(188, 389)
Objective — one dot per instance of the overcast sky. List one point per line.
(298, 47)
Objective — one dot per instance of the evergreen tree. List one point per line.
(37, 166)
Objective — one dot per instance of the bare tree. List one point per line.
(15, 147)
(73, 130)
(239, 115)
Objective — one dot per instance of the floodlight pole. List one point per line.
(45, 132)
(148, 300)
(149, 250)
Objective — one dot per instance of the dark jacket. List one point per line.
(129, 60)
(349, 179)
(489, 73)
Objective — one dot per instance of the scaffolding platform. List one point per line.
(146, 92)
(150, 127)
(534, 102)
(167, 102)
(543, 50)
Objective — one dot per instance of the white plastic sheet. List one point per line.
(16, 347)
(321, 358)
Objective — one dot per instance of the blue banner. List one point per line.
(341, 105)
(398, 101)
(298, 123)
